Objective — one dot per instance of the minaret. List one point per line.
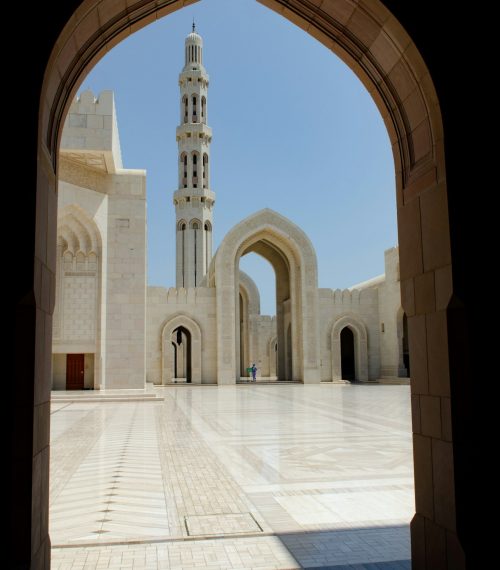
(193, 200)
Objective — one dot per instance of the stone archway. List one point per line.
(167, 366)
(292, 255)
(368, 38)
(360, 347)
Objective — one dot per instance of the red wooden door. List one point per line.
(74, 371)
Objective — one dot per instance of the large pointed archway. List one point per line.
(292, 256)
(369, 38)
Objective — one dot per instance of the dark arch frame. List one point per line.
(369, 38)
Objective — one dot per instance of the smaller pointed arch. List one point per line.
(185, 109)
(195, 224)
(79, 230)
(172, 323)
(195, 161)
(358, 328)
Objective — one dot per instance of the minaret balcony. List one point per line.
(195, 130)
(195, 192)
(193, 72)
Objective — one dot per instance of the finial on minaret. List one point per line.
(194, 26)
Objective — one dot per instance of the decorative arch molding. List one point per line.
(292, 254)
(194, 329)
(359, 331)
(195, 223)
(78, 230)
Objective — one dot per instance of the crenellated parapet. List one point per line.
(90, 136)
(180, 295)
(354, 297)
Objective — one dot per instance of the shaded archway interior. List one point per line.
(279, 262)
(347, 356)
(181, 346)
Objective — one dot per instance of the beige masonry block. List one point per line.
(444, 286)
(437, 351)
(418, 351)
(424, 490)
(431, 415)
(418, 542)
(410, 239)
(365, 28)
(435, 545)
(425, 301)
(444, 488)
(435, 228)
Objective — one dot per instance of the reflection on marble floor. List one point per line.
(285, 476)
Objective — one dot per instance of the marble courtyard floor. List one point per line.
(237, 477)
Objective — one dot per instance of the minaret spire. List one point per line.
(193, 199)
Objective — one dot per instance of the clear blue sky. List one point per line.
(293, 130)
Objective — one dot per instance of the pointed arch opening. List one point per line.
(371, 40)
(183, 170)
(293, 259)
(181, 350)
(205, 170)
(194, 103)
(349, 349)
(184, 109)
(203, 109)
(195, 161)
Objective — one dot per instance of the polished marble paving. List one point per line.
(243, 476)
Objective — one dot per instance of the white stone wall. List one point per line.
(391, 315)
(125, 316)
(103, 315)
(363, 305)
(90, 134)
(197, 304)
(79, 308)
(59, 371)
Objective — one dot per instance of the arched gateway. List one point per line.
(370, 39)
(190, 335)
(292, 256)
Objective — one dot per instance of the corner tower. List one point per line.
(193, 201)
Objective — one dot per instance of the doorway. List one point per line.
(181, 344)
(75, 371)
(347, 363)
